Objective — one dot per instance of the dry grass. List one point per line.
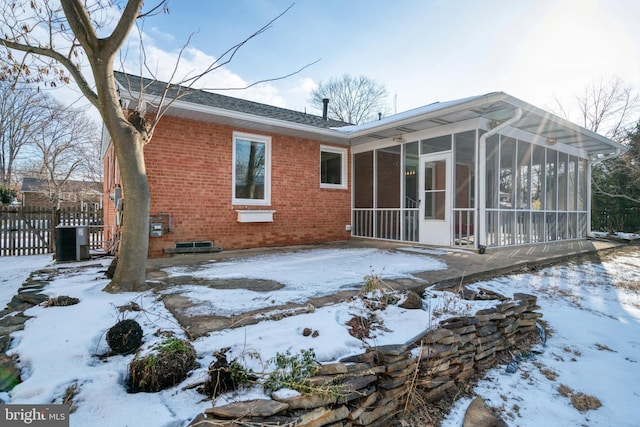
(419, 412)
(603, 347)
(61, 301)
(582, 402)
(572, 351)
(69, 395)
(564, 390)
(549, 374)
(631, 286)
(516, 410)
(166, 366)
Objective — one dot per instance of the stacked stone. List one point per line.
(464, 359)
(526, 314)
(397, 369)
(438, 368)
(509, 325)
(374, 385)
(489, 340)
(358, 401)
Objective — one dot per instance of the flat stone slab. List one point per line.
(199, 325)
(249, 408)
(34, 298)
(257, 285)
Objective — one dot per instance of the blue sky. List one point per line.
(422, 51)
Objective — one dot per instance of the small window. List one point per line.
(251, 169)
(333, 167)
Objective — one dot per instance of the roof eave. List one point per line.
(384, 124)
(614, 146)
(607, 146)
(262, 122)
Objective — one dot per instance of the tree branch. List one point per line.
(599, 190)
(66, 62)
(155, 10)
(185, 86)
(231, 52)
(265, 80)
(80, 23)
(124, 26)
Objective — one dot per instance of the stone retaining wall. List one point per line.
(375, 384)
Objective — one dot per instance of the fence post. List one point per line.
(55, 220)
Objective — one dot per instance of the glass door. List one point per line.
(435, 203)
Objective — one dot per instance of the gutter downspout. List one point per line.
(482, 177)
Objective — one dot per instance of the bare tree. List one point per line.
(20, 109)
(351, 99)
(42, 40)
(63, 148)
(609, 108)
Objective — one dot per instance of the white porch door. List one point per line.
(435, 199)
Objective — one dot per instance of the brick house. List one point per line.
(478, 172)
(38, 193)
(274, 196)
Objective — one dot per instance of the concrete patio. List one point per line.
(463, 266)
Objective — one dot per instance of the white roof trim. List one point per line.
(345, 135)
(433, 111)
(230, 114)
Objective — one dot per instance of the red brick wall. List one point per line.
(189, 167)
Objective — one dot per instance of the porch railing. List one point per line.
(403, 224)
(386, 223)
(464, 227)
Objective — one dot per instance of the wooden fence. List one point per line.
(31, 231)
(626, 219)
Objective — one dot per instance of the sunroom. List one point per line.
(479, 172)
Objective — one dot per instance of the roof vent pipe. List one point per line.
(325, 108)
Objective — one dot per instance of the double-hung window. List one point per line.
(251, 169)
(333, 167)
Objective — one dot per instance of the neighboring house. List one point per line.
(479, 172)
(85, 195)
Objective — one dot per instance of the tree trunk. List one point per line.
(132, 256)
(128, 141)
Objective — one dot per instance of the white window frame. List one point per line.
(343, 165)
(266, 201)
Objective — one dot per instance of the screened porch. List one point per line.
(534, 193)
(483, 171)
(397, 197)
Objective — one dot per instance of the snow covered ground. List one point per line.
(13, 271)
(594, 348)
(593, 310)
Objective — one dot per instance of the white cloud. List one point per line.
(191, 62)
(307, 85)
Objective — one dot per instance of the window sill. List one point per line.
(255, 215)
(333, 187)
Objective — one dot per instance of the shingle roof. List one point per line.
(36, 185)
(133, 83)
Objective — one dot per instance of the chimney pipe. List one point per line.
(325, 108)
